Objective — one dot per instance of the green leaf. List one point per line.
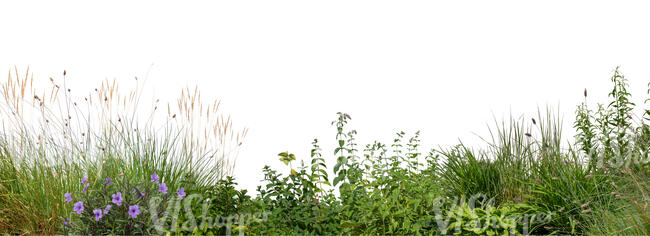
(337, 166)
(323, 172)
(338, 179)
(285, 160)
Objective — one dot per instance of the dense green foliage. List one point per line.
(525, 181)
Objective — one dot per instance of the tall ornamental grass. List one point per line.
(52, 137)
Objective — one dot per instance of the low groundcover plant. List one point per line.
(116, 205)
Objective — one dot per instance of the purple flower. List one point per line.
(78, 207)
(140, 191)
(181, 193)
(86, 186)
(117, 198)
(85, 179)
(108, 181)
(68, 197)
(154, 178)
(162, 188)
(134, 211)
(98, 214)
(67, 221)
(108, 207)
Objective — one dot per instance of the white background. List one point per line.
(284, 68)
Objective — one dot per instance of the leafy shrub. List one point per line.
(400, 190)
(219, 209)
(298, 203)
(378, 194)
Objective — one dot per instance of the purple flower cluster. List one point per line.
(99, 213)
(117, 198)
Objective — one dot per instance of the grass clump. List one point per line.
(52, 138)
